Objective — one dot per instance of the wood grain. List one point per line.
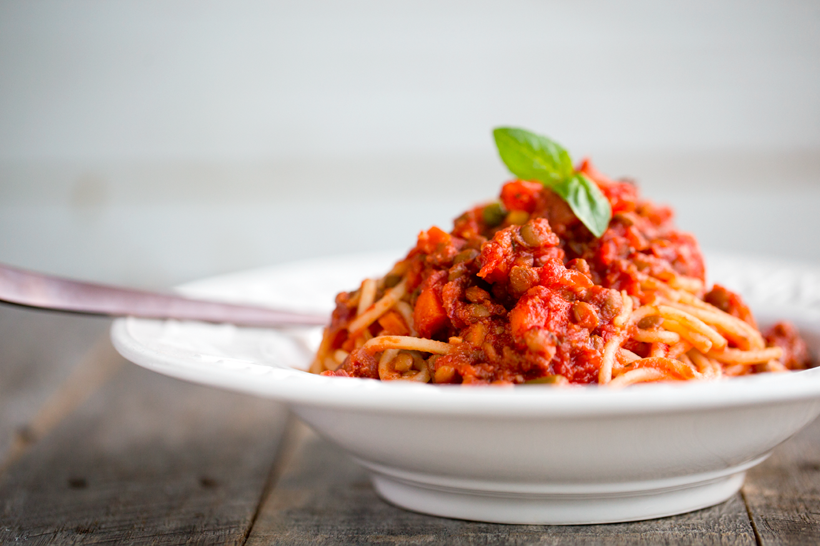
(39, 351)
(144, 459)
(325, 498)
(783, 494)
(147, 460)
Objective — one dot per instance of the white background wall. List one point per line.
(151, 142)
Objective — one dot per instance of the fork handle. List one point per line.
(30, 289)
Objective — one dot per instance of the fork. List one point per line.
(40, 291)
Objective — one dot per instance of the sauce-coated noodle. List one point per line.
(520, 291)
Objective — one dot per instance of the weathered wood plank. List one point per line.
(146, 460)
(783, 493)
(325, 498)
(39, 352)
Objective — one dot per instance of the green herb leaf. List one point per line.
(532, 157)
(587, 202)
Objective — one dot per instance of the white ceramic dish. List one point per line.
(529, 454)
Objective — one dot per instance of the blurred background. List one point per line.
(151, 142)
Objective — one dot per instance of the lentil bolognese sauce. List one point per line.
(522, 291)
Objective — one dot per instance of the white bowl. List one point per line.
(530, 454)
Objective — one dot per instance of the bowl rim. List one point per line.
(302, 388)
(298, 387)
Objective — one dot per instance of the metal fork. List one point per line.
(30, 289)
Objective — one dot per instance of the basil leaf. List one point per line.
(532, 157)
(587, 202)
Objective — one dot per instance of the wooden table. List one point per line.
(96, 450)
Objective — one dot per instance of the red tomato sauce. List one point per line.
(525, 291)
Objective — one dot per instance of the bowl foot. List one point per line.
(556, 509)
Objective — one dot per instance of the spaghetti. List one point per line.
(520, 291)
